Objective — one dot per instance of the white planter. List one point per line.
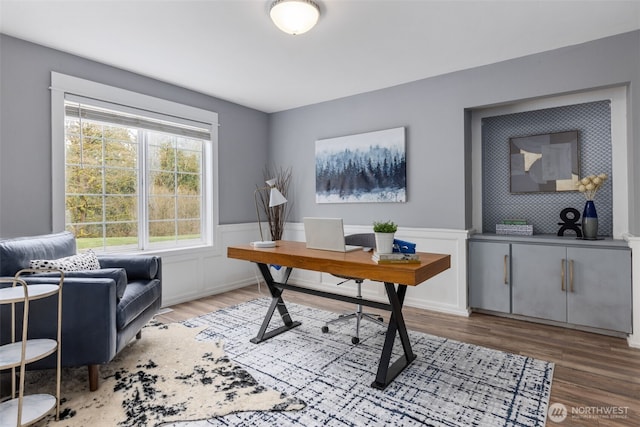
(384, 242)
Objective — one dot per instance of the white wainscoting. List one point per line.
(196, 273)
(446, 292)
(192, 274)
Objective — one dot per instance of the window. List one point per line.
(135, 179)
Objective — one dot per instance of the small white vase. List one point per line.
(384, 242)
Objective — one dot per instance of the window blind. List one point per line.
(104, 112)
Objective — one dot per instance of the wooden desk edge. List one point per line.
(407, 274)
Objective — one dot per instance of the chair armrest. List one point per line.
(118, 275)
(88, 319)
(143, 267)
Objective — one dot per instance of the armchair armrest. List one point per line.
(118, 275)
(138, 267)
(88, 319)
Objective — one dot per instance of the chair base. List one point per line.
(362, 240)
(359, 316)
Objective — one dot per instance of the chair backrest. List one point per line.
(16, 253)
(362, 239)
(367, 240)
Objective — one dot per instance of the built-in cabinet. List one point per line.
(577, 282)
(489, 276)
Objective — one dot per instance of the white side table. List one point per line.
(21, 409)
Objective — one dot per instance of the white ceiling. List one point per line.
(231, 50)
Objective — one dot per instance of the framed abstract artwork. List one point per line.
(367, 167)
(544, 163)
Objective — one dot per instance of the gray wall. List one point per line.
(25, 134)
(435, 112)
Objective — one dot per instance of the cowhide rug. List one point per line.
(164, 377)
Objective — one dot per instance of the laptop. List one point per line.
(326, 234)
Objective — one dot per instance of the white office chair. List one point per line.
(365, 240)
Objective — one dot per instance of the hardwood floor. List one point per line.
(596, 377)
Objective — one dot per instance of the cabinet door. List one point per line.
(600, 293)
(538, 281)
(489, 287)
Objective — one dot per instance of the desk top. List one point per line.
(353, 264)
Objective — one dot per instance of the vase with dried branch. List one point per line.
(276, 215)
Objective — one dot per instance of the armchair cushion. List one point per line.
(140, 295)
(83, 261)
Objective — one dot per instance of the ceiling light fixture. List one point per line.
(294, 16)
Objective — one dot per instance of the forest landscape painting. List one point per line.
(363, 168)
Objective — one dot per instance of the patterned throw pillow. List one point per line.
(79, 262)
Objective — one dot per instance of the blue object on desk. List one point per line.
(404, 247)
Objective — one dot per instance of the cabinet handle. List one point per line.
(562, 275)
(506, 281)
(570, 275)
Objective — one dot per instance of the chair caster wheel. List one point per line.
(355, 340)
(325, 329)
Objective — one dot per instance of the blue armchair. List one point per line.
(102, 310)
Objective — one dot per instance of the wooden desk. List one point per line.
(352, 264)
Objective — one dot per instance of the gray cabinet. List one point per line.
(582, 286)
(538, 287)
(599, 289)
(489, 281)
(575, 282)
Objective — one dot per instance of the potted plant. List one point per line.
(385, 232)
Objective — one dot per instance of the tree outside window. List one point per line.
(129, 187)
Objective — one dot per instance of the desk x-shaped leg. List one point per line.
(276, 302)
(387, 371)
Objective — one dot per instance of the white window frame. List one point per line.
(62, 84)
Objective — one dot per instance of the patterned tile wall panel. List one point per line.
(592, 120)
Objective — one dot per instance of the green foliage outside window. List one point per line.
(102, 184)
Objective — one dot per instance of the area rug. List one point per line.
(166, 376)
(449, 384)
